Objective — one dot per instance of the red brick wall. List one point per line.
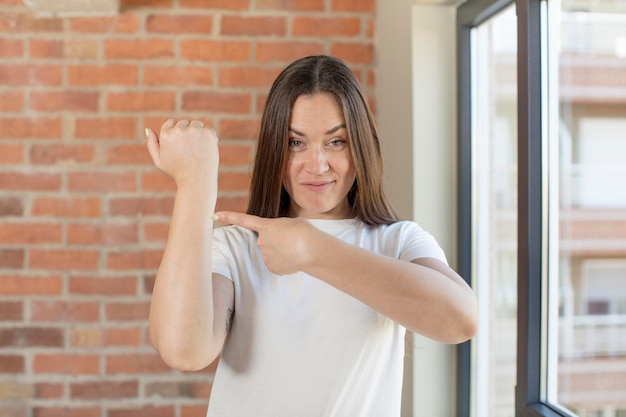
(84, 215)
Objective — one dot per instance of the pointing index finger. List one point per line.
(247, 221)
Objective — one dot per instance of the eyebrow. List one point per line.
(328, 132)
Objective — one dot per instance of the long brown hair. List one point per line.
(309, 76)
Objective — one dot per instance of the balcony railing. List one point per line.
(592, 336)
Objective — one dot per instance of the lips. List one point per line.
(318, 186)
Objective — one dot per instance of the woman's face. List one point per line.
(319, 171)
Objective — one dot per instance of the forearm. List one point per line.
(181, 312)
(432, 302)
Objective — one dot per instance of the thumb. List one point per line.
(247, 221)
(153, 145)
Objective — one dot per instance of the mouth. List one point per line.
(318, 186)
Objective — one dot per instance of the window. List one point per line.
(542, 191)
(586, 283)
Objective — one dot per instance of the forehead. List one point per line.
(316, 109)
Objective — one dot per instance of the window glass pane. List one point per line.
(587, 324)
(494, 246)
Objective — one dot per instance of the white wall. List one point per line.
(416, 117)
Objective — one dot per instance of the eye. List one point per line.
(295, 143)
(337, 142)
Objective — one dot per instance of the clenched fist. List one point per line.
(185, 150)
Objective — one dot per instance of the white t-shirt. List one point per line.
(299, 347)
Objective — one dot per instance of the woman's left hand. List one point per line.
(285, 243)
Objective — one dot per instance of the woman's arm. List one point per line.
(426, 296)
(188, 311)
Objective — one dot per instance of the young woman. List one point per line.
(308, 295)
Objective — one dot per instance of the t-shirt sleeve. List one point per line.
(418, 243)
(221, 259)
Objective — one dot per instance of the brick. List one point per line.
(141, 101)
(141, 411)
(12, 153)
(370, 31)
(247, 77)
(11, 206)
(89, 337)
(326, 26)
(82, 49)
(192, 411)
(216, 4)
(11, 310)
(232, 203)
(239, 128)
(234, 25)
(141, 206)
(135, 364)
(131, 311)
(183, 389)
(27, 22)
(67, 364)
(152, 232)
(100, 75)
(45, 48)
(260, 102)
(11, 48)
(102, 285)
(11, 259)
(235, 155)
(143, 259)
(65, 311)
(134, 4)
(31, 337)
(371, 78)
(139, 49)
(31, 127)
(11, 364)
(62, 411)
(106, 128)
(61, 153)
(358, 53)
(366, 6)
(148, 283)
(121, 23)
(16, 391)
(180, 76)
(79, 207)
(14, 410)
(102, 234)
(68, 100)
(157, 181)
(63, 259)
(31, 285)
(295, 5)
(29, 233)
(11, 101)
(234, 181)
(180, 24)
(32, 74)
(286, 51)
(212, 101)
(166, 389)
(50, 390)
(123, 337)
(215, 50)
(97, 390)
(101, 181)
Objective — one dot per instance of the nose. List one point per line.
(317, 161)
